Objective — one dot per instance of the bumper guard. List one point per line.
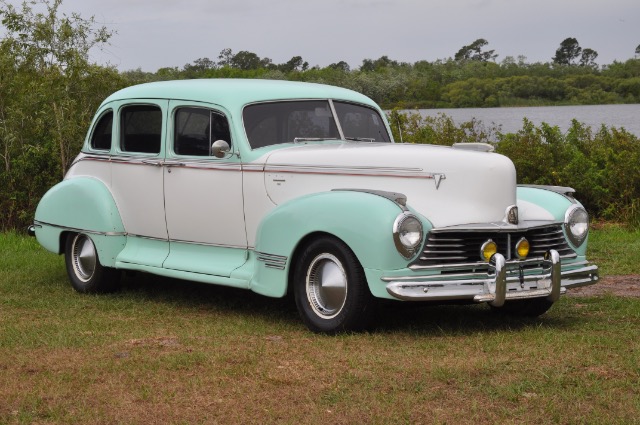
(498, 286)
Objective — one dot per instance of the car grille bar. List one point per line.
(462, 248)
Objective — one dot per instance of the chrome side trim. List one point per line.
(272, 260)
(76, 230)
(353, 171)
(562, 190)
(207, 244)
(398, 198)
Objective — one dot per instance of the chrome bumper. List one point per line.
(503, 282)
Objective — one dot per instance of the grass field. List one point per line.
(166, 351)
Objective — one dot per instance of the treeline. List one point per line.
(49, 90)
(447, 83)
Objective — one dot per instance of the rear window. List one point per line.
(141, 129)
(102, 132)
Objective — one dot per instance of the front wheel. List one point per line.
(85, 272)
(533, 307)
(330, 288)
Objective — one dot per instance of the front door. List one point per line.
(203, 193)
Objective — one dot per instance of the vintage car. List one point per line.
(284, 187)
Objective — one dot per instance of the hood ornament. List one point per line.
(512, 214)
(438, 177)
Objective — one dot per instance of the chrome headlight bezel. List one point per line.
(576, 225)
(408, 234)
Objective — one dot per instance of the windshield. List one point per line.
(361, 123)
(295, 121)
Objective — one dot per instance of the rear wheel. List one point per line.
(533, 307)
(85, 272)
(330, 288)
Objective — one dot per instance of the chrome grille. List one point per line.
(463, 247)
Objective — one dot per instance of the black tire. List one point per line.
(533, 307)
(330, 288)
(85, 272)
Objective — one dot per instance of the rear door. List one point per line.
(202, 193)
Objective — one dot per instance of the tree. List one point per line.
(588, 58)
(568, 52)
(225, 57)
(381, 62)
(49, 91)
(248, 60)
(474, 52)
(342, 65)
(296, 63)
(199, 66)
(49, 39)
(638, 51)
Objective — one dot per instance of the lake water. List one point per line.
(510, 119)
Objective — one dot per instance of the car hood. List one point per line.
(447, 186)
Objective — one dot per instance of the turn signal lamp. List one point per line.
(488, 249)
(522, 248)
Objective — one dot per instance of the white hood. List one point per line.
(448, 186)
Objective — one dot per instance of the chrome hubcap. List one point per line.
(326, 286)
(84, 257)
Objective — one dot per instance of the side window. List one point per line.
(196, 129)
(141, 128)
(101, 136)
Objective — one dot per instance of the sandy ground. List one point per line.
(623, 286)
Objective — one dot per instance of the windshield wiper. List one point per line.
(361, 139)
(312, 139)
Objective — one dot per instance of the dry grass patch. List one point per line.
(164, 351)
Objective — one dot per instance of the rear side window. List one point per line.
(101, 136)
(141, 128)
(196, 129)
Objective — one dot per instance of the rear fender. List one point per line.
(80, 204)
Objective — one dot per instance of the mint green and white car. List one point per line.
(280, 187)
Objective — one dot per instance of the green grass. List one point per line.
(615, 249)
(169, 351)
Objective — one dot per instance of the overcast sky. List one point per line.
(152, 34)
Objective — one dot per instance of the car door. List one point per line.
(203, 193)
(137, 179)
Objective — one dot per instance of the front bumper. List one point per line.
(503, 281)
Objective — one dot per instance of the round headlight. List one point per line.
(407, 234)
(488, 249)
(522, 248)
(576, 224)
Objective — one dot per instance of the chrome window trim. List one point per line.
(333, 112)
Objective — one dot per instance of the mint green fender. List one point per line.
(81, 204)
(555, 203)
(364, 221)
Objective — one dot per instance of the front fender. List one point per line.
(362, 220)
(80, 204)
(546, 203)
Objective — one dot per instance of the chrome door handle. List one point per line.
(152, 162)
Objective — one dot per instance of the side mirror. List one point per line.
(220, 148)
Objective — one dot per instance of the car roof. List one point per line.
(235, 93)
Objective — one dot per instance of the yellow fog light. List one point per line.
(522, 248)
(488, 249)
